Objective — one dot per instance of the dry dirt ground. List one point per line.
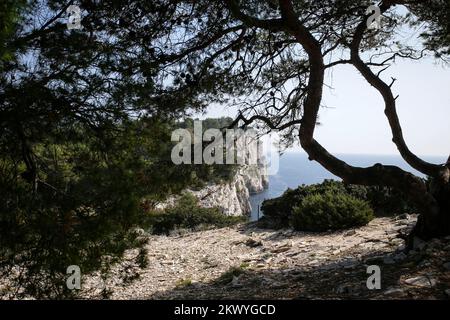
(245, 262)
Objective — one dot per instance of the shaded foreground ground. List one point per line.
(245, 262)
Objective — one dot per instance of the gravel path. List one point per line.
(246, 262)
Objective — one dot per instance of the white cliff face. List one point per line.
(256, 177)
(233, 198)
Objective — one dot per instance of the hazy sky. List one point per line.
(355, 121)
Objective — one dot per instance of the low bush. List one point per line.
(384, 201)
(187, 214)
(330, 211)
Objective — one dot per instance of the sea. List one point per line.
(295, 169)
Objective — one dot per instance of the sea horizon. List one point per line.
(337, 154)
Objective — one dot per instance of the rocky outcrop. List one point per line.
(255, 178)
(233, 197)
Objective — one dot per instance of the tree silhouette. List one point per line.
(269, 58)
(76, 107)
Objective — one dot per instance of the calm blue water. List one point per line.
(296, 169)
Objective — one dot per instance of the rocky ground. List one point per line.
(245, 262)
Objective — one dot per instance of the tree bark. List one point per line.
(429, 227)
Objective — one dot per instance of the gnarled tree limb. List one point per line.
(390, 102)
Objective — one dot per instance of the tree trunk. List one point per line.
(433, 201)
(438, 224)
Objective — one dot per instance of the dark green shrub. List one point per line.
(187, 214)
(278, 211)
(383, 200)
(388, 201)
(330, 211)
